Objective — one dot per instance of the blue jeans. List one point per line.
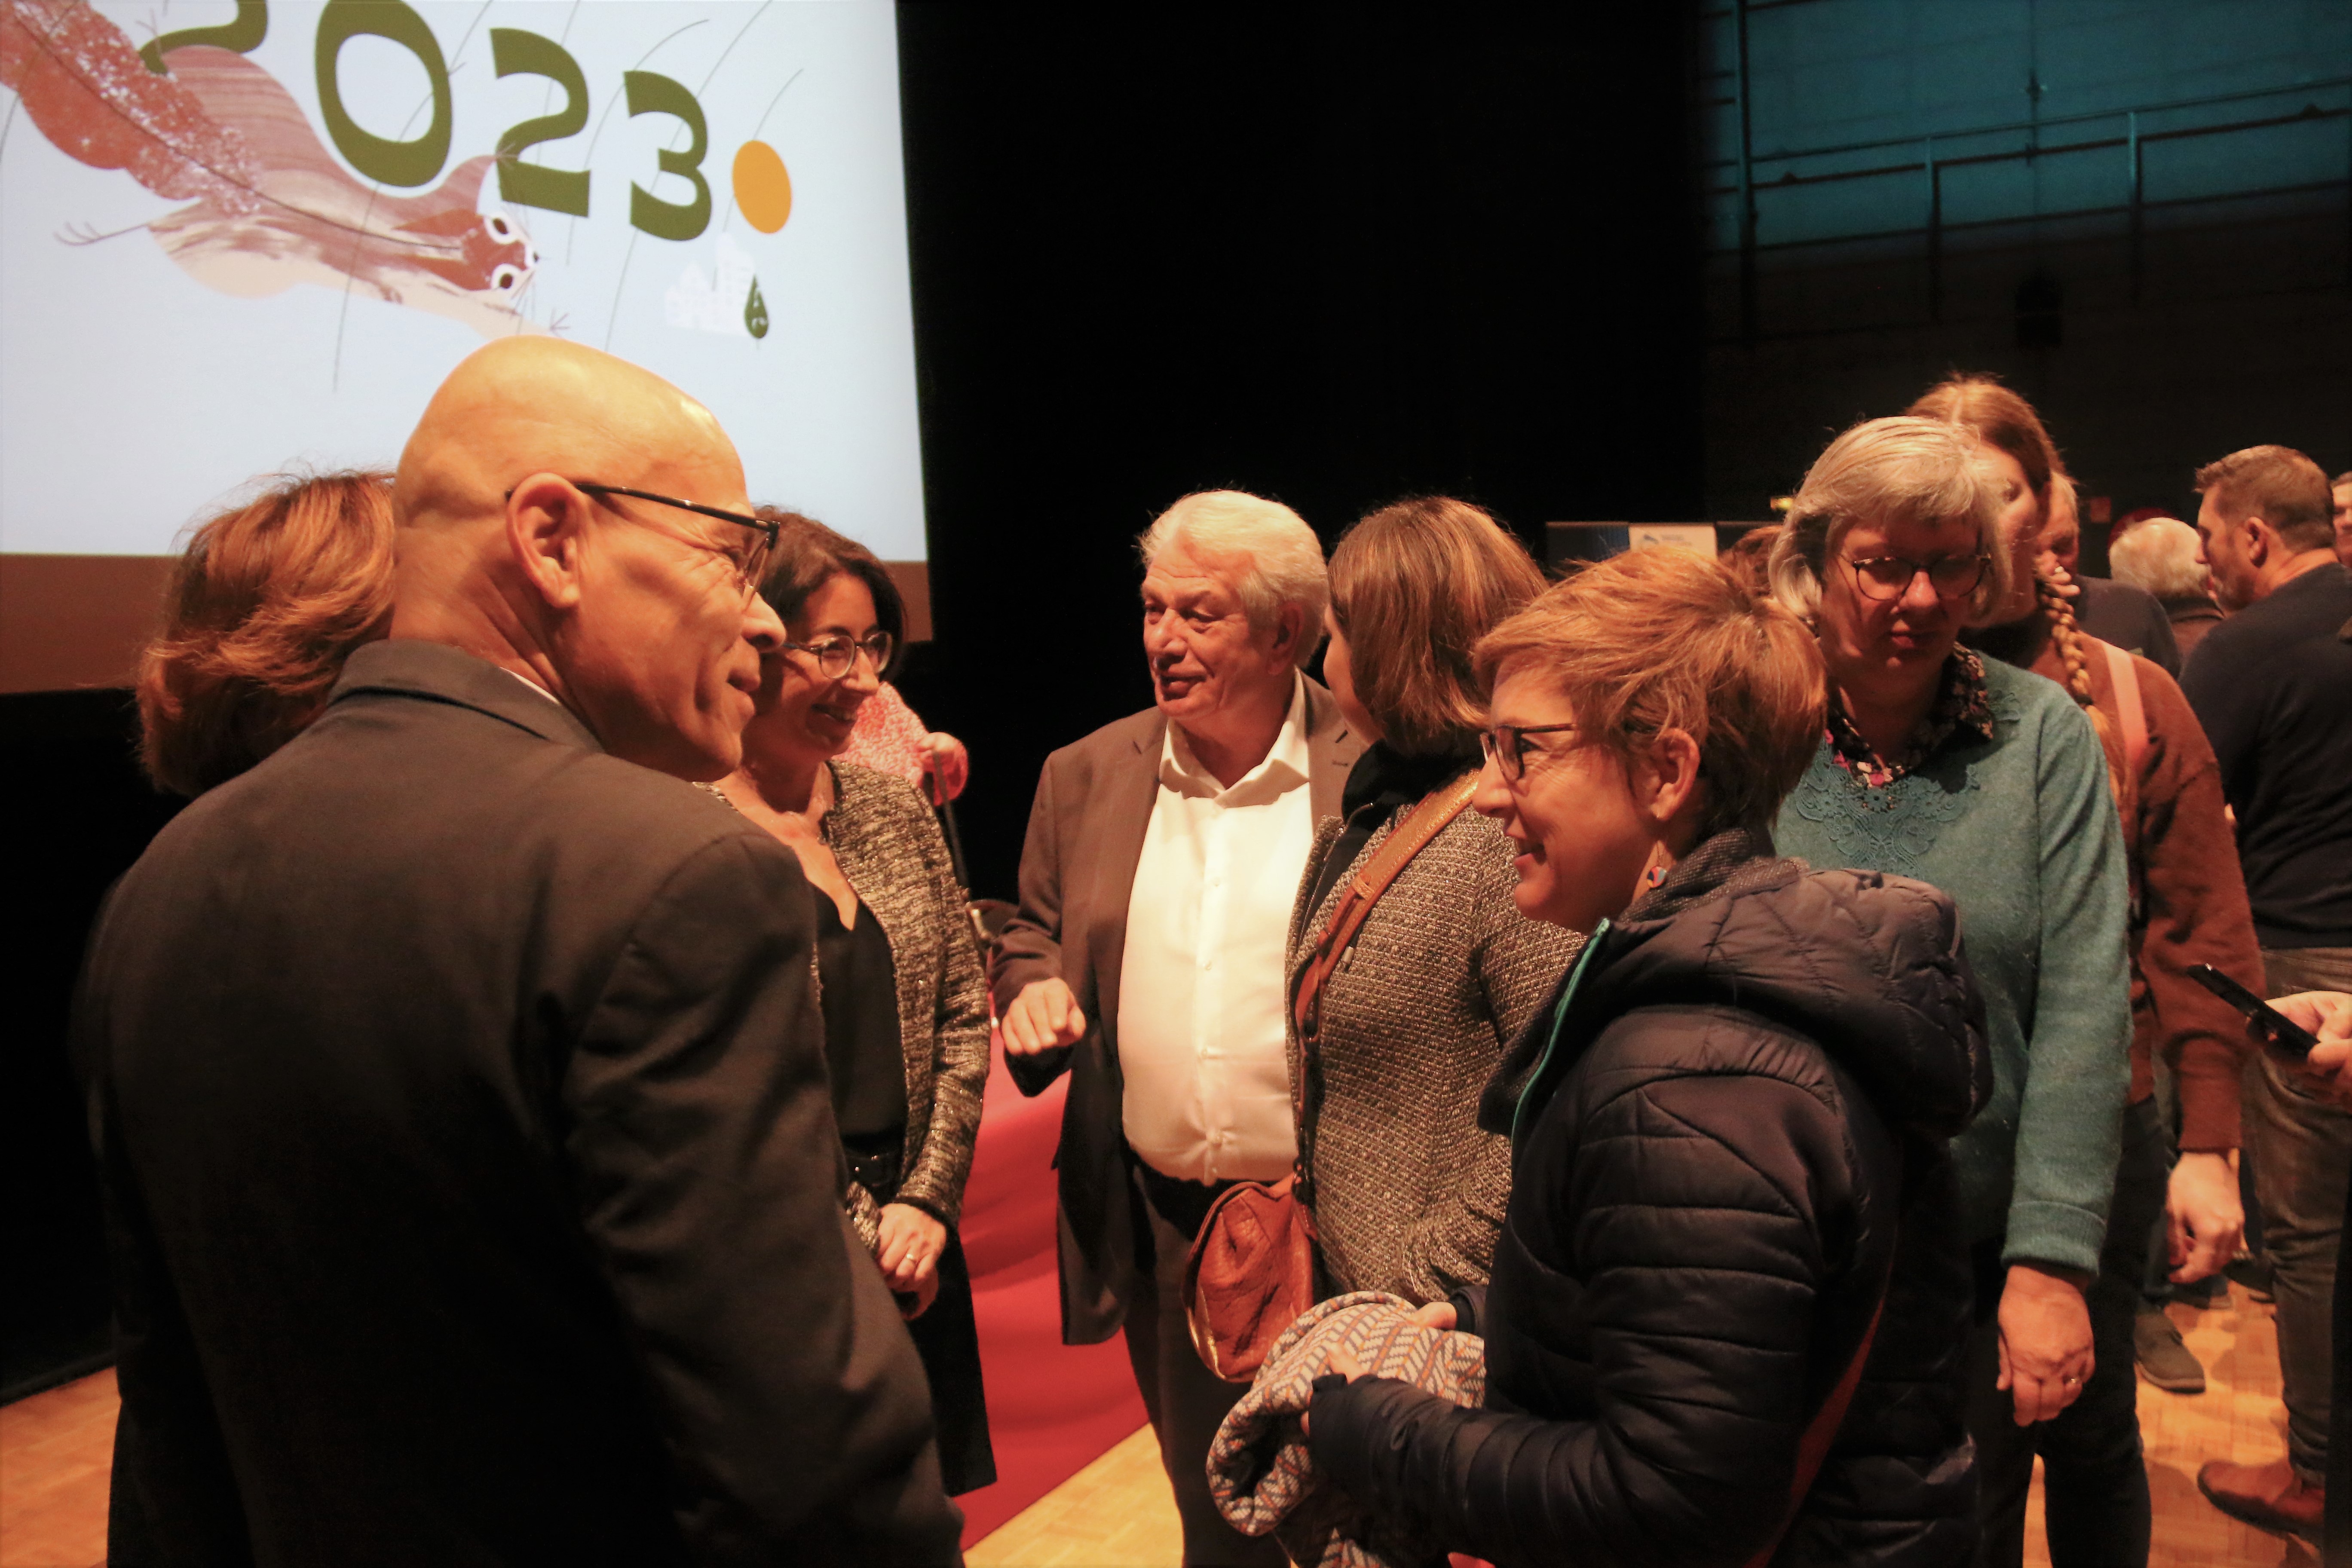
(2095, 1492)
(2302, 1142)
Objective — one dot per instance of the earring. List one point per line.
(1657, 875)
(1654, 872)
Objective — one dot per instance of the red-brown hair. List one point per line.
(1662, 639)
(266, 602)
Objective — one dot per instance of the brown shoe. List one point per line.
(2269, 1496)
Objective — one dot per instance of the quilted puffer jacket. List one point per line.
(1740, 1101)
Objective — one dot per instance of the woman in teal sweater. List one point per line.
(1988, 781)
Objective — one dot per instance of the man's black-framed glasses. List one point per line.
(1891, 577)
(1505, 746)
(836, 655)
(750, 567)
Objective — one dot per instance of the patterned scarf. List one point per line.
(1259, 1471)
(1962, 707)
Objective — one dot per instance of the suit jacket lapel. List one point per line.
(1331, 750)
(1125, 817)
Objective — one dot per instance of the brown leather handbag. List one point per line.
(1251, 1271)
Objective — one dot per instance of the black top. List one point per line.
(857, 985)
(2273, 686)
(2131, 618)
(1382, 780)
(516, 1237)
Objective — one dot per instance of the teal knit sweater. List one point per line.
(2021, 832)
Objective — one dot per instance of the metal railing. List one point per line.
(1933, 155)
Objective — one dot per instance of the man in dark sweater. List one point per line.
(2273, 686)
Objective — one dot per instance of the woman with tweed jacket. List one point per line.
(899, 973)
(1407, 1192)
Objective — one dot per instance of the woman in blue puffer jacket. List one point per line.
(1733, 1224)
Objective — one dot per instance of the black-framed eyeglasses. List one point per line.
(750, 567)
(1891, 577)
(836, 655)
(1505, 746)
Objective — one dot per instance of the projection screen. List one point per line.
(245, 235)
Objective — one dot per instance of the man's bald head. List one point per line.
(633, 613)
(523, 405)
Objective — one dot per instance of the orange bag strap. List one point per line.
(2128, 708)
(1413, 835)
(1813, 1448)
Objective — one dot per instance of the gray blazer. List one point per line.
(1077, 870)
(1409, 1194)
(891, 852)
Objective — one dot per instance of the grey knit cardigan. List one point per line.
(890, 850)
(1408, 1192)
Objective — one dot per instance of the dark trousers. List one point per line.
(1186, 1402)
(2336, 1538)
(2301, 1140)
(2094, 1483)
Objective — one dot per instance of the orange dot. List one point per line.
(762, 189)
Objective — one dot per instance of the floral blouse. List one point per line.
(1962, 707)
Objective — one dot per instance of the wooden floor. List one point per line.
(55, 1449)
(1116, 1512)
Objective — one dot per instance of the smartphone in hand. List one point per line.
(2288, 1038)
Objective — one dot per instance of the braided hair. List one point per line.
(2073, 645)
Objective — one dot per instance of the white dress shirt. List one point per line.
(1201, 1041)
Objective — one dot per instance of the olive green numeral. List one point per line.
(241, 34)
(649, 94)
(517, 53)
(416, 162)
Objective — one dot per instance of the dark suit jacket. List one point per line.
(1078, 869)
(2129, 618)
(461, 1102)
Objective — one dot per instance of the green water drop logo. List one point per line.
(755, 311)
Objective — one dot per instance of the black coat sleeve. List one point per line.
(1695, 1219)
(702, 1143)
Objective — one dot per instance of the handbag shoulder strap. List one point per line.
(1813, 1448)
(1413, 835)
(2128, 708)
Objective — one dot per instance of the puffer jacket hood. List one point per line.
(1868, 965)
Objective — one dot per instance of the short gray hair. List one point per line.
(2160, 555)
(1895, 470)
(1283, 560)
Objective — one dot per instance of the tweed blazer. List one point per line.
(891, 851)
(1093, 806)
(1407, 1193)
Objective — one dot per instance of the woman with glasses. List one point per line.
(1728, 1293)
(1407, 1192)
(899, 973)
(2187, 907)
(1988, 782)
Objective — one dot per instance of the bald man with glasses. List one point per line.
(456, 1074)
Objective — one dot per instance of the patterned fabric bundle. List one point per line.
(1259, 1471)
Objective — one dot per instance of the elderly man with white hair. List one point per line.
(2159, 556)
(1163, 856)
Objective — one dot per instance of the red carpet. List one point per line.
(1051, 1407)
